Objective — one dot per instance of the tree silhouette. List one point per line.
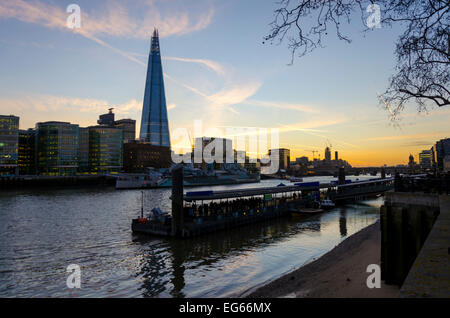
(422, 51)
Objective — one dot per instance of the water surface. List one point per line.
(43, 231)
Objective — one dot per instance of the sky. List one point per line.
(216, 69)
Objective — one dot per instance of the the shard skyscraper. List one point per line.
(154, 124)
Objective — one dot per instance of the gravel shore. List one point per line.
(339, 273)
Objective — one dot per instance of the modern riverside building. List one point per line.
(442, 150)
(138, 155)
(83, 150)
(105, 149)
(100, 150)
(426, 160)
(211, 145)
(154, 123)
(106, 119)
(57, 148)
(9, 144)
(128, 127)
(27, 142)
(283, 157)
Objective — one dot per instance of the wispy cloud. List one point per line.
(234, 94)
(282, 105)
(113, 18)
(404, 137)
(116, 19)
(212, 65)
(312, 124)
(49, 107)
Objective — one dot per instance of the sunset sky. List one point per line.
(216, 70)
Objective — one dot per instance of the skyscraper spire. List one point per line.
(154, 123)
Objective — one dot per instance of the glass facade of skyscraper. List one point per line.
(105, 149)
(27, 163)
(154, 123)
(9, 144)
(128, 127)
(426, 159)
(57, 148)
(83, 150)
(442, 150)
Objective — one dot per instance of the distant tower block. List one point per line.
(154, 124)
(336, 156)
(327, 154)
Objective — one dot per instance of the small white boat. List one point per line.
(327, 204)
(137, 181)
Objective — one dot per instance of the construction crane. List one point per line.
(313, 152)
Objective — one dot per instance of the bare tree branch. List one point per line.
(422, 51)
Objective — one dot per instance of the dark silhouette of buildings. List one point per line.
(138, 155)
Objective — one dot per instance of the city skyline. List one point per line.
(213, 73)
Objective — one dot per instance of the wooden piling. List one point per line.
(177, 201)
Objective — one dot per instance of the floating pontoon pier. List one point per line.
(201, 212)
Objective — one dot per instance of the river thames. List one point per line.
(45, 230)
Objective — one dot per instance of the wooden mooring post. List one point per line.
(406, 221)
(177, 201)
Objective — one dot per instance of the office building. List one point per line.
(138, 155)
(213, 146)
(446, 164)
(128, 127)
(9, 145)
(283, 156)
(105, 149)
(57, 148)
(442, 150)
(27, 142)
(83, 150)
(426, 160)
(107, 119)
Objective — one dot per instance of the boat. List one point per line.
(229, 174)
(138, 181)
(296, 179)
(156, 223)
(327, 204)
(306, 211)
(193, 177)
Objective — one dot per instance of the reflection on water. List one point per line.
(42, 232)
